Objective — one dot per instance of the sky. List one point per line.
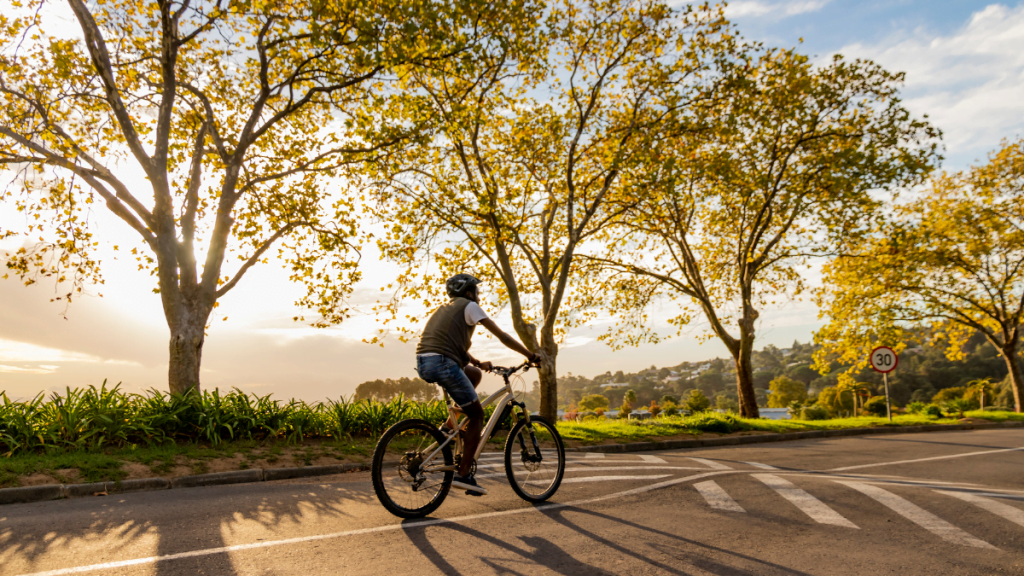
(964, 65)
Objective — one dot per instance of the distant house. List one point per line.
(702, 368)
(670, 378)
(614, 384)
(786, 351)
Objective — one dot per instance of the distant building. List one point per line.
(786, 351)
(614, 384)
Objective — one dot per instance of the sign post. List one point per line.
(884, 360)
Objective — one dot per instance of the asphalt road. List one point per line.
(938, 503)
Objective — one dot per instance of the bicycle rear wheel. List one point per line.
(402, 486)
(534, 459)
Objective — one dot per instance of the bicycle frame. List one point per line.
(507, 397)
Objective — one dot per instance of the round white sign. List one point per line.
(883, 359)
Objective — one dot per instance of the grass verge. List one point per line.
(170, 460)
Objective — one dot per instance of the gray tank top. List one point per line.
(447, 333)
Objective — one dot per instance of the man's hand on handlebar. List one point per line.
(535, 359)
(485, 366)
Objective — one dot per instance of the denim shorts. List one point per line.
(447, 374)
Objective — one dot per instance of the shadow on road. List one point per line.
(539, 551)
(200, 518)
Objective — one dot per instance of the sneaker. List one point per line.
(468, 483)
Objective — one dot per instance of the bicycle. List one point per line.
(417, 484)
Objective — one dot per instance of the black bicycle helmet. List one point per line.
(459, 284)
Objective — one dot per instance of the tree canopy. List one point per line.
(951, 258)
(211, 129)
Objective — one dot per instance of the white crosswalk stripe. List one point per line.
(611, 478)
(759, 465)
(648, 458)
(592, 455)
(918, 515)
(711, 464)
(998, 508)
(716, 497)
(816, 509)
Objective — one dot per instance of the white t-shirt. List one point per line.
(474, 314)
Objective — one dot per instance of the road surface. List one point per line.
(938, 503)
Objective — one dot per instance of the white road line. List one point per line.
(716, 497)
(759, 465)
(608, 468)
(654, 459)
(711, 464)
(609, 478)
(816, 509)
(590, 455)
(924, 459)
(998, 508)
(918, 515)
(378, 529)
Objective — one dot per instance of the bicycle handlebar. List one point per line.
(510, 371)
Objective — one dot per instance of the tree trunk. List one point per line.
(745, 384)
(548, 378)
(186, 352)
(745, 371)
(1016, 379)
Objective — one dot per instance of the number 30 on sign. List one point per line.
(883, 359)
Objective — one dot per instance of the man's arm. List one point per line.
(505, 338)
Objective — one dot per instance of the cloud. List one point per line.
(12, 351)
(774, 11)
(4, 369)
(970, 83)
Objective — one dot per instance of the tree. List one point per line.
(234, 115)
(951, 260)
(785, 391)
(697, 402)
(515, 185)
(629, 399)
(385, 390)
(594, 402)
(785, 172)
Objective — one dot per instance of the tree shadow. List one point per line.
(126, 525)
(550, 555)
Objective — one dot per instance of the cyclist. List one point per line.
(443, 358)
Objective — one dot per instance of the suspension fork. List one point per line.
(533, 437)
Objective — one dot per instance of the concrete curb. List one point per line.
(59, 491)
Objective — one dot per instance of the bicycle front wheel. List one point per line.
(405, 484)
(534, 459)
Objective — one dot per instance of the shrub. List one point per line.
(959, 406)
(947, 394)
(915, 407)
(655, 409)
(814, 413)
(711, 422)
(624, 410)
(876, 406)
(932, 410)
(670, 409)
(785, 391)
(697, 402)
(594, 402)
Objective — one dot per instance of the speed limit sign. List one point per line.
(883, 359)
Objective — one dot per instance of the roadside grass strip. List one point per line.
(816, 509)
(1006, 511)
(716, 497)
(918, 515)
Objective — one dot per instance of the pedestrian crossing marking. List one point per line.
(654, 459)
(759, 465)
(816, 509)
(711, 464)
(716, 497)
(591, 455)
(918, 515)
(998, 508)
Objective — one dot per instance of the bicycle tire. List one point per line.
(520, 485)
(379, 466)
